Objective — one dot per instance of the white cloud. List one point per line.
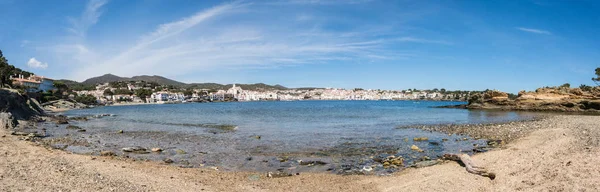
(537, 31)
(34, 63)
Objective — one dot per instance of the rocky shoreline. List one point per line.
(552, 153)
(552, 99)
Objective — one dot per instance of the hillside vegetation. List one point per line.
(110, 78)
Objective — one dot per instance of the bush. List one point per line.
(585, 88)
(86, 99)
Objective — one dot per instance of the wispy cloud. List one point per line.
(318, 2)
(88, 18)
(24, 43)
(419, 40)
(34, 63)
(226, 37)
(537, 31)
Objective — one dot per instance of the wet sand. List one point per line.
(559, 153)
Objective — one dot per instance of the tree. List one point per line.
(108, 92)
(188, 93)
(122, 92)
(566, 85)
(5, 71)
(596, 80)
(86, 99)
(143, 93)
(60, 86)
(442, 90)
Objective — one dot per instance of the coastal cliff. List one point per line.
(15, 106)
(559, 99)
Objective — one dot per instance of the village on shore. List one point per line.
(140, 92)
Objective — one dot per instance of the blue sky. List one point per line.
(467, 45)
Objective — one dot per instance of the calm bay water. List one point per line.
(333, 131)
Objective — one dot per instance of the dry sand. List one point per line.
(562, 155)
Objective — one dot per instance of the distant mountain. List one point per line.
(113, 78)
(165, 81)
(103, 79)
(157, 79)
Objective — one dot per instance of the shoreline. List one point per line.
(561, 153)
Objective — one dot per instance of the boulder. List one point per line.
(576, 91)
(7, 121)
(494, 94)
(135, 149)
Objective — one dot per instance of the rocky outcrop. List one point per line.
(543, 99)
(19, 106)
(63, 105)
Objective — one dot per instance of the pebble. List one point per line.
(415, 148)
(420, 139)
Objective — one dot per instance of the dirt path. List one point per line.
(565, 156)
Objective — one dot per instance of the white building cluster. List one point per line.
(236, 93)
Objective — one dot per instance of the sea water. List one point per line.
(273, 135)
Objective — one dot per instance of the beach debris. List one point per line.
(168, 161)
(256, 137)
(107, 153)
(120, 131)
(425, 158)
(494, 143)
(135, 149)
(367, 169)
(278, 174)
(311, 163)
(156, 149)
(416, 148)
(81, 130)
(470, 165)
(214, 168)
(420, 139)
(180, 151)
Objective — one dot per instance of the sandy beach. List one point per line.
(559, 154)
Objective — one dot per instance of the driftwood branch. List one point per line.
(470, 165)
